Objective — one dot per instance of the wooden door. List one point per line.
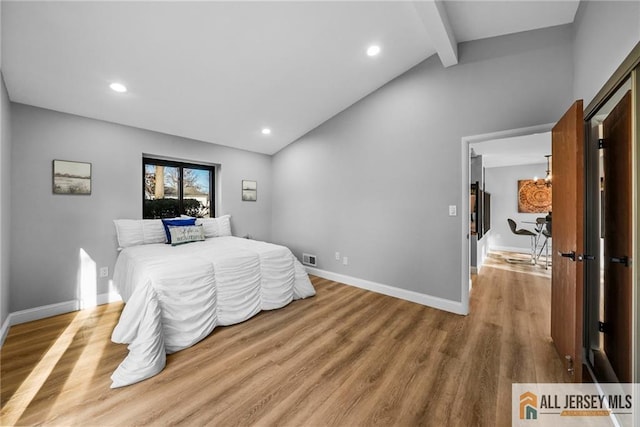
(617, 238)
(568, 239)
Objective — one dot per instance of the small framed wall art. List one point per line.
(71, 177)
(249, 191)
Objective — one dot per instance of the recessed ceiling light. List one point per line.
(266, 131)
(373, 50)
(118, 87)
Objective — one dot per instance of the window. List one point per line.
(171, 189)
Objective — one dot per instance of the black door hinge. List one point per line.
(624, 260)
(602, 327)
(600, 144)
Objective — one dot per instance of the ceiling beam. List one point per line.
(436, 22)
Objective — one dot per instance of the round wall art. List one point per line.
(533, 196)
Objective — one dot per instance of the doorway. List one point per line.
(466, 231)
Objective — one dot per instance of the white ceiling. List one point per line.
(521, 150)
(221, 71)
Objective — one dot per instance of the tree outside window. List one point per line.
(173, 188)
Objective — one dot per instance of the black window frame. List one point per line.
(181, 166)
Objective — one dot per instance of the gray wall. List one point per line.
(502, 183)
(5, 200)
(49, 230)
(605, 33)
(375, 181)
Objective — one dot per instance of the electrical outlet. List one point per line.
(104, 271)
(453, 210)
(345, 261)
(337, 256)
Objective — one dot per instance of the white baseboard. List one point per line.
(5, 329)
(475, 269)
(37, 313)
(107, 298)
(511, 249)
(424, 299)
(526, 251)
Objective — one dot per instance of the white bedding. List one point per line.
(176, 295)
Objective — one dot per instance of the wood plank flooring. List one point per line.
(344, 357)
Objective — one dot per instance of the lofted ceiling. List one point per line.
(220, 72)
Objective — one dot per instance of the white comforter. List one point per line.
(176, 295)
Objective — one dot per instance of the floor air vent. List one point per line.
(309, 260)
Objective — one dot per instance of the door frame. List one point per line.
(635, 211)
(630, 67)
(465, 232)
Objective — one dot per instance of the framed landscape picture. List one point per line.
(249, 191)
(71, 177)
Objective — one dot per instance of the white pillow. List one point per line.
(133, 232)
(216, 227)
(153, 231)
(224, 225)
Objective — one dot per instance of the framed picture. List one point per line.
(533, 196)
(249, 191)
(71, 177)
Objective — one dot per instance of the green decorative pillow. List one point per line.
(186, 234)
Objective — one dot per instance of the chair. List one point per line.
(546, 233)
(523, 232)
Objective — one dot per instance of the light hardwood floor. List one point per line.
(344, 357)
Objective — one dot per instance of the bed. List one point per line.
(176, 295)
